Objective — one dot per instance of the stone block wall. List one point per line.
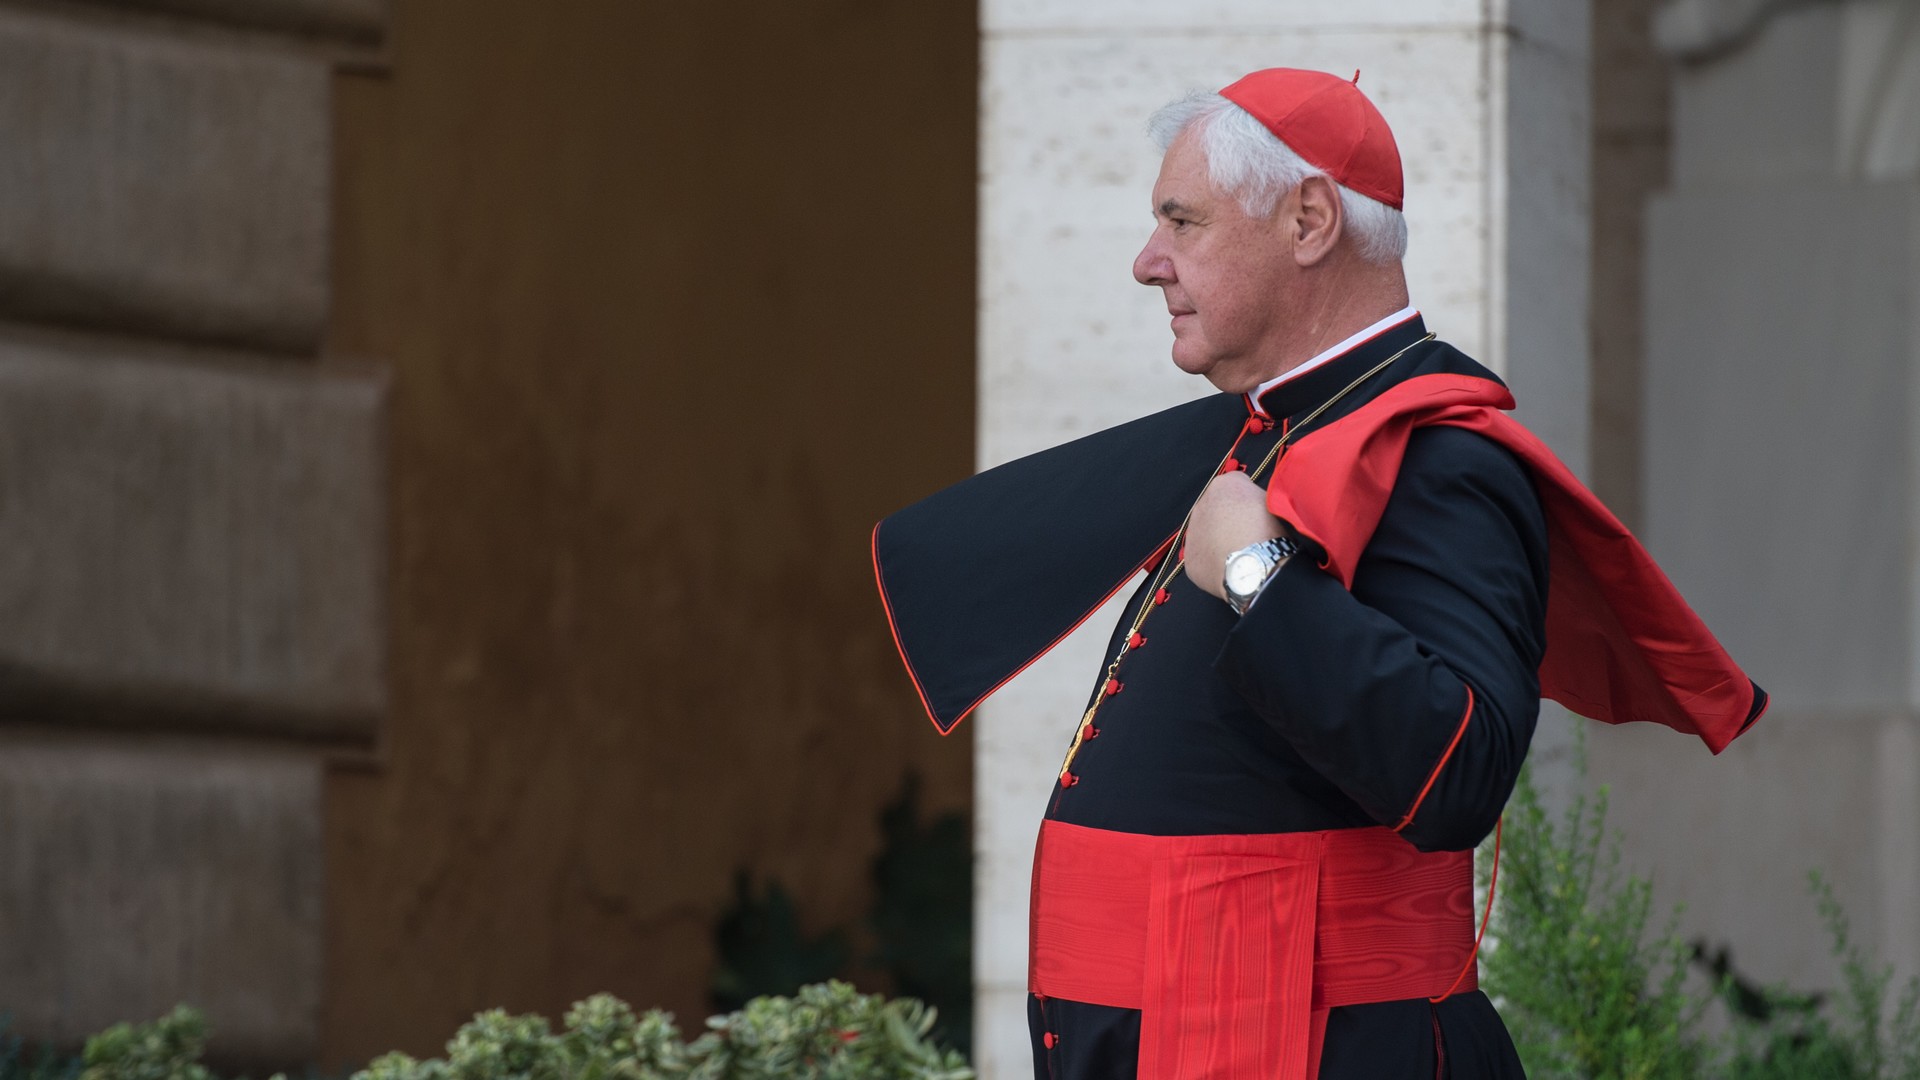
(145, 871)
(437, 462)
(190, 532)
(192, 515)
(161, 183)
(361, 23)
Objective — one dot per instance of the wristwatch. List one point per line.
(1250, 567)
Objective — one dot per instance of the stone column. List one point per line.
(1490, 108)
(1782, 420)
(192, 546)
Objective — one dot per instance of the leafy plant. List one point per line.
(922, 914)
(825, 1032)
(1586, 991)
(165, 1049)
(21, 1061)
(1791, 1038)
(762, 950)
(1590, 991)
(920, 924)
(828, 1032)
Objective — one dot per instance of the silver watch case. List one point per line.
(1249, 568)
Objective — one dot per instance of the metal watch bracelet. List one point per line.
(1272, 554)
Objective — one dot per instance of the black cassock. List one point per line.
(1320, 709)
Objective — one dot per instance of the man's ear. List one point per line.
(1315, 219)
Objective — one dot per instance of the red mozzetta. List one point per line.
(1622, 644)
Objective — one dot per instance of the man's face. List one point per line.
(1226, 276)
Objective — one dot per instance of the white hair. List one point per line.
(1248, 162)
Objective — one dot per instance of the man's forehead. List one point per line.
(1183, 179)
(1184, 192)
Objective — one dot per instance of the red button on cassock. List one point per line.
(1050, 1040)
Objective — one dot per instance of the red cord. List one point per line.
(1438, 765)
(1493, 879)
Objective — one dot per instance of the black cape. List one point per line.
(1322, 708)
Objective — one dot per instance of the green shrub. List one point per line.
(1589, 992)
(165, 1049)
(920, 925)
(825, 1032)
(1585, 990)
(1788, 1036)
(762, 951)
(922, 917)
(21, 1061)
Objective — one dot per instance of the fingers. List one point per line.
(1231, 514)
(1234, 488)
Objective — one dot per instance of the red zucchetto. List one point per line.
(1329, 123)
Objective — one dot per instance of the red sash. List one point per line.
(1234, 947)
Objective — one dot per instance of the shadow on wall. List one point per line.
(919, 931)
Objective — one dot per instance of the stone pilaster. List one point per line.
(194, 536)
(138, 872)
(1782, 420)
(355, 23)
(190, 537)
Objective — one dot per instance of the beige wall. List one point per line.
(1778, 412)
(1631, 137)
(677, 301)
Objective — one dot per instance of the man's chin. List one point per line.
(1191, 361)
(1222, 376)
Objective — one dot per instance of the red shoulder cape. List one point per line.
(1622, 644)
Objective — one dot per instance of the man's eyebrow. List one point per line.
(1174, 206)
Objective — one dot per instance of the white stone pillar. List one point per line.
(1782, 449)
(1490, 111)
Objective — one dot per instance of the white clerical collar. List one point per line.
(1345, 347)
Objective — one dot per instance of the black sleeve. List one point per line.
(1417, 692)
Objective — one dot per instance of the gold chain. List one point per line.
(1176, 546)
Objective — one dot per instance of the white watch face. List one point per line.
(1245, 571)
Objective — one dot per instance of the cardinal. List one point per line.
(1359, 576)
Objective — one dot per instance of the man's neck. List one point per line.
(1352, 296)
(1347, 344)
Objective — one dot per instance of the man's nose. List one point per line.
(1151, 266)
